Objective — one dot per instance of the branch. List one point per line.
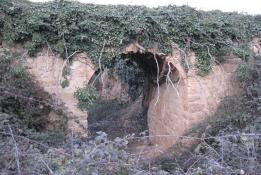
(100, 66)
(64, 63)
(168, 79)
(140, 47)
(184, 53)
(49, 169)
(72, 146)
(95, 78)
(36, 142)
(66, 50)
(212, 59)
(158, 90)
(16, 151)
(28, 99)
(49, 48)
(257, 136)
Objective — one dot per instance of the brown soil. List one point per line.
(47, 71)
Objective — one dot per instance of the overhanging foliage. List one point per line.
(70, 26)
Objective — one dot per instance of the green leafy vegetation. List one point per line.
(65, 73)
(20, 96)
(70, 26)
(230, 146)
(243, 72)
(85, 96)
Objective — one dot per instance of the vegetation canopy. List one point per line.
(71, 26)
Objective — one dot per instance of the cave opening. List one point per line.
(140, 73)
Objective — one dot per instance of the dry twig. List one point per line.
(16, 151)
(64, 64)
(100, 66)
(49, 169)
(158, 90)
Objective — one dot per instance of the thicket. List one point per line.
(20, 96)
(70, 26)
(16, 90)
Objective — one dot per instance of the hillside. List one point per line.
(103, 89)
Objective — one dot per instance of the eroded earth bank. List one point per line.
(93, 89)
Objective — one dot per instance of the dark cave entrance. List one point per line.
(149, 64)
(139, 71)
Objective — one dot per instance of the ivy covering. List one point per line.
(71, 26)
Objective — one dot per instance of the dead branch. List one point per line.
(30, 99)
(64, 64)
(193, 164)
(175, 46)
(36, 142)
(49, 169)
(95, 78)
(72, 146)
(66, 50)
(168, 79)
(16, 151)
(212, 59)
(142, 49)
(100, 66)
(257, 136)
(49, 48)
(158, 90)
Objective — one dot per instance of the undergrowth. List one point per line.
(22, 98)
(86, 96)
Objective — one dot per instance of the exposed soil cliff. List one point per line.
(188, 99)
(48, 72)
(184, 98)
(166, 74)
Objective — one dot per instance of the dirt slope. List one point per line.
(190, 100)
(47, 71)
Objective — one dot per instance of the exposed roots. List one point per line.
(100, 66)
(158, 90)
(184, 53)
(64, 64)
(168, 79)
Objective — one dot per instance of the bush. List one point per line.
(85, 96)
(20, 96)
(18, 71)
(244, 73)
(203, 63)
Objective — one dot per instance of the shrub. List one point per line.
(19, 95)
(85, 96)
(18, 71)
(244, 72)
(203, 63)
